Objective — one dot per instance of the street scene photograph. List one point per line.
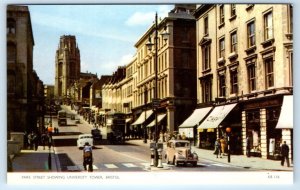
(106, 91)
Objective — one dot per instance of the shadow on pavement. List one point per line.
(65, 142)
(66, 133)
(65, 161)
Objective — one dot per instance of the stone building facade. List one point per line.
(245, 61)
(176, 66)
(24, 88)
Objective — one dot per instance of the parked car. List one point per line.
(179, 152)
(83, 138)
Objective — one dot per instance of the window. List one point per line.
(11, 26)
(206, 90)
(251, 77)
(233, 10)
(11, 83)
(11, 53)
(234, 82)
(291, 68)
(291, 19)
(233, 37)
(222, 47)
(251, 34)
(206, 25)
(222, 18)
(206, 57)
(269, 72)
(268, 23)
(222, 85)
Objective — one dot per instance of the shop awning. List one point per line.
(216, 116)
(128, 120)
(144, 116)
(195, 117)
(285, 120)
(159, 118)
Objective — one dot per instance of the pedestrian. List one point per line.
(165, 136)
(43, 140)
(49, 137)
(248, 147)
(25, 140)
(223, 145)
(30, 139)
(285, 154)
(183, 136)
(218, 148)
(35, 141)
(87, 157)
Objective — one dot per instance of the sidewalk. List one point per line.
(241, 161)
(35, 161)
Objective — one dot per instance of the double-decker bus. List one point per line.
(62, 117)
(113, 127)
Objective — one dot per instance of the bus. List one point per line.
(62, 117)
(114, 127)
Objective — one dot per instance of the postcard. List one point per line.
(154, 94)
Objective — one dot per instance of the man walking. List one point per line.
(285, 154)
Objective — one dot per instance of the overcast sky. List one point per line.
(105, 34)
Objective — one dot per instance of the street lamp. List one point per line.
(155, 102)
(145, 102)
(228, 130)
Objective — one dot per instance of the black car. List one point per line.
(96, 134)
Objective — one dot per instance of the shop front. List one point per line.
(138, 127)
(285, 123)
(161, 126)
(189, 127)
(262, 125)
(215, 124)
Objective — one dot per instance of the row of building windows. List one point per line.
(252, 80)
(145, 95)
(147, 69)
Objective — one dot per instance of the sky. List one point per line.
(105, 34)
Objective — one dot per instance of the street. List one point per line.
(134, 155)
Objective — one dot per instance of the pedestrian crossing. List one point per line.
(141, 166)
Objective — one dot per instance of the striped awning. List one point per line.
(143, 117)
(195, 118)
(159, 118)
(218, 114)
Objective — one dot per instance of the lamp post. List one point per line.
(228, 130)
(145, 102)
(155, 101)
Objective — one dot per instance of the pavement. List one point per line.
(40, 160)
(241, 161)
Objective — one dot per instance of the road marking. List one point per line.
(95, 167)
(73, 168)
(145, 164)
(129, 165)
(221, 165)
(111, 166)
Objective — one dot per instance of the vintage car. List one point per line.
(83, 138)
(179, 152)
